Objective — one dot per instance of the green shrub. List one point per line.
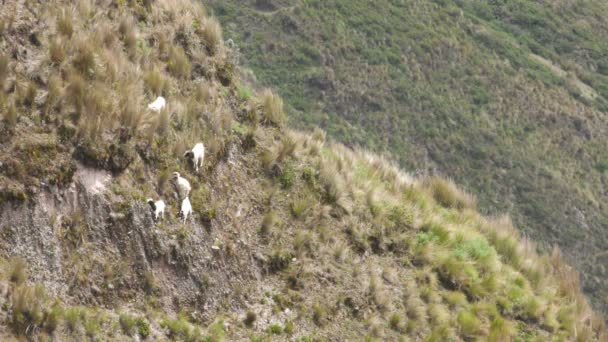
(287, 177)
(127, 323)
(396, 321)
(289, 327)
(501, 330)
(180, 329)
(243, 92)
(275, 329)
(143, 327)
(470, 325)
(72, 317)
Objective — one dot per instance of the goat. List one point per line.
(182, 185)
(196, 155)
(186, 209)
(158, 104)
(158, 208)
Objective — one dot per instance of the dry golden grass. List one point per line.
(448, 194)
(179, 63)
(272, 107)
(211, 33)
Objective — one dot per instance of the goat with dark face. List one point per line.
(196, 155)
(158, 208)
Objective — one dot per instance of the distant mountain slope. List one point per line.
(507, 97)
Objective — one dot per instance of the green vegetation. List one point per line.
(507, 98)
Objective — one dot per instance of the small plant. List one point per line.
(396, 321)
(65, 25)
(319, 313)
(299, 207)
(268, 223)
(56, 52)
(211, 32)
(178, 64)
(244, 93)
(4, 69)
(447, 194)
(155, 82)
(470, 325)
(127, 323)
(17, 270)
(126, 29)
(272, 106)
(250, 318)
(28, 308)
(280, 260)
(287, 177)
(275, 329)
(72, 318)
(289, 327)
(143, 327)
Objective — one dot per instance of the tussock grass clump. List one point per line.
(57, 53)
(178, 63)
(29, 308)
(4, 69)
(155, 83)
(127, 323)
(319, 314)
(250, 318)
(181, 329)
(10, 115)
(268, 223)
(84, 58)
(396, 322)
(272, 108)
(17, 270)
(211, 33)
(470, 325)
(65, 23)
(447, 194)
(127, 34)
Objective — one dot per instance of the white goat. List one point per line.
(182, 185)
(158, 104)
(186, 209)
(158, 208)
(196, 155)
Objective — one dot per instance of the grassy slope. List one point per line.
(313, 240)
(456, 87)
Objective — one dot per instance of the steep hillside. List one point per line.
(507, 97)
(292, 238)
